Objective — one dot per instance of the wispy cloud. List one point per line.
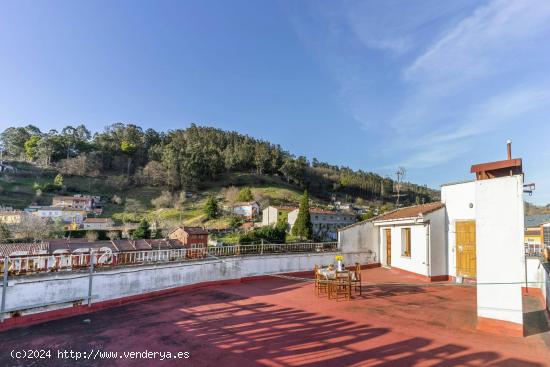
(467, 80)
(499, 112)
(431, 80)
(476, 46)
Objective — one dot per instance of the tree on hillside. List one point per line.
(5, 233)
(58, 180)
(302, 227)
(31, 147)
(142, 231)
(231, 195)
(14, 138)
(245, 194)
(211, 208)
(165, 200)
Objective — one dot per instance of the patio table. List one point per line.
(329, 274)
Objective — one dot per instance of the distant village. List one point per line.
(81, 214)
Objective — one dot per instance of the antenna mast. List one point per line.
(400, 174)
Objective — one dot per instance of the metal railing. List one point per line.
(40, 263)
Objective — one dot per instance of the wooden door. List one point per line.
(466, 249)
(388, 247)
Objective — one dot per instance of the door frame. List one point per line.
(457, 249)
(387, 245)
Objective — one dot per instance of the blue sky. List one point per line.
(433, 86)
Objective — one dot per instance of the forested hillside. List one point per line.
(191, 159)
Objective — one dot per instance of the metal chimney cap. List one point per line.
(508, 141)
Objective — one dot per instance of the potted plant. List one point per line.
(339, 259)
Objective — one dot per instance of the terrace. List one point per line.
(281, 322)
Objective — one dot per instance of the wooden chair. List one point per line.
(356, 278)
(341, 285)
(316, 277)
(323, 285)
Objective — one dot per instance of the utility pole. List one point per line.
(400, 174)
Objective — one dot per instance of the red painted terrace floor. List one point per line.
(280, 322)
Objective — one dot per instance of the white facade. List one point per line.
(428, 255)
(324, 223)
(248, 210)
(499, 246)
(459, 200)
(64, 214)
(270, 215)
(94, 224)
(497, 207)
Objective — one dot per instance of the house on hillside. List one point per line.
(325, 223)
(535, 238)
(84, 202)
(10, 216)
(66, 215)
(97, 223)
(273, 214)
(194, 239)
(246, 209)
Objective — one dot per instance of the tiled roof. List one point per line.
(30, 248)
(244, 203)
(536, 220)
(97, 220)
(410, 211)
(285, 207)
(321, 211)
(192, 230)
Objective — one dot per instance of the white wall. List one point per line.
(55, 290)
(535, 274)
(417, 263)
(360, 238)
(499, 245)
(269, 216)
(457, 199)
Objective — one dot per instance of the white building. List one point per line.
(246, 209)
(475, 232)
(325, 223)
(412, 239)
(97, 223)
(273, 214)
(67, 215)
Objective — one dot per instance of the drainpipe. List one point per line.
(429, 244)
(428, 248)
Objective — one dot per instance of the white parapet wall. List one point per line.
(360, 238)
(499, 252)
(45, 292)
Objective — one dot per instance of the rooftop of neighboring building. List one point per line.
(284, 207)
(245, 203)
(532, 232)
(7, 249)
(97, 220)
(536, 220)
(73, 244)
(192, 230)
(410, 211)
(55, 208)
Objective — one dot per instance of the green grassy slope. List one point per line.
(17, 190)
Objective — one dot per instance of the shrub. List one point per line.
(271, 234)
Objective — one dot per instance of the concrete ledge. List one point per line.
(499, 327)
